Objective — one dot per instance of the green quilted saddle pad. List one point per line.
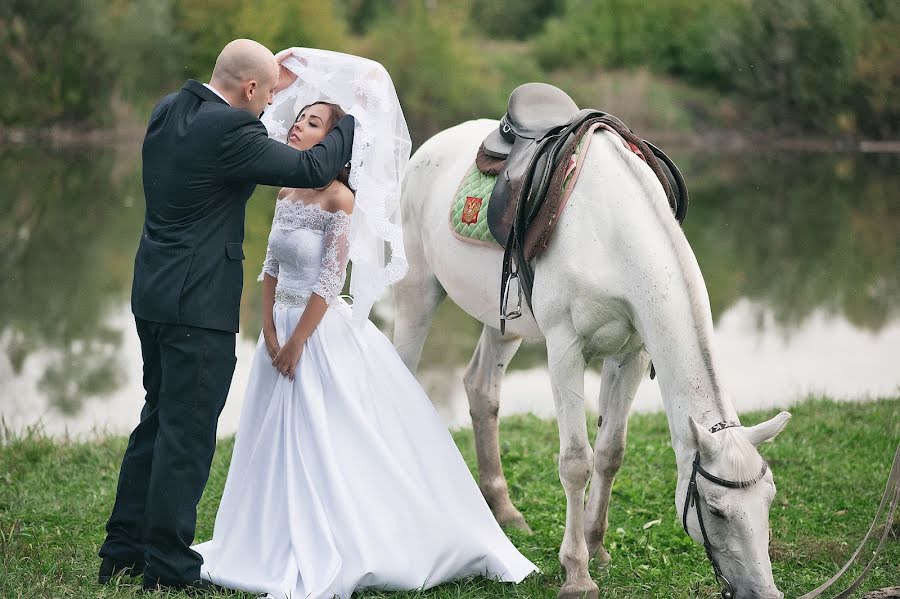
(468, 214)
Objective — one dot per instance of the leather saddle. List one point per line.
(535, 112)
(526, 149)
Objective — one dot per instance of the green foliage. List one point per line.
(811, 65)
(796, 56)
(796, 66)
(276, 24)
(671, 35)
(878, 75)
(360, 14)
(517, 19)
(68, 61)
(133, 32)
(439, 75)
(52, 62)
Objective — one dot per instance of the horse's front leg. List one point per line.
(567, 365)
(416, 299)
(482, 381)
(619, 382)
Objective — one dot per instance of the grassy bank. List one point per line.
(830, 465)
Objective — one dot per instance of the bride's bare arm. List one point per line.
(268, 305)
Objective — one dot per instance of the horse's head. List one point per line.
(726, 505)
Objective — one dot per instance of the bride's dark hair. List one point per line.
(337, 113)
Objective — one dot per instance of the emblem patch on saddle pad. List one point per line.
(471, 210)
(468, 213)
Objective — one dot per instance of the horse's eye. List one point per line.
(716, 512)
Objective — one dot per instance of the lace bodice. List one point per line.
(307, 252)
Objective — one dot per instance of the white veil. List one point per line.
(381, 148)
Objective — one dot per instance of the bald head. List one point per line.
(245, 72)
(241, 61)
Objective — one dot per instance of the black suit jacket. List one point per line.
(202, 160)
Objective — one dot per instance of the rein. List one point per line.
(889, 500)
(692, 498)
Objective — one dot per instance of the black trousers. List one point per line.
(187, 373)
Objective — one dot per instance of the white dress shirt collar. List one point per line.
(215, 91)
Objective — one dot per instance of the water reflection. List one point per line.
(799, 233)
(799, 253)
(66, 241)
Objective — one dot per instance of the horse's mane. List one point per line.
(740, 454)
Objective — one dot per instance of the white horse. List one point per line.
(618, 281)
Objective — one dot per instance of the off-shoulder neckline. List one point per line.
(315, 206)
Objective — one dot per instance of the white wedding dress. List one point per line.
(347, 477)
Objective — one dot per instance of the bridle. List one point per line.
(692, 498)
(890, 502)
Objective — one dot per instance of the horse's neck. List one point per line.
(686, 369)
(671, 312)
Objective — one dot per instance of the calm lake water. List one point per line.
(799, 252)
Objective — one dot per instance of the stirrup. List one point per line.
(504, 313)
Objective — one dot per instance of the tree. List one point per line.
(439, 76)
(517, 19)
(52, 61)
(797, 56)
(276, 24)
(67, 61)
(877, 75)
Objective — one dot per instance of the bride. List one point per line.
(343, 475)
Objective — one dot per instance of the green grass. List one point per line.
(830, 465)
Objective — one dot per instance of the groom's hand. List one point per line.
(285, 75)
(286, 359)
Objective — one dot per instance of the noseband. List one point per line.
(693, 499)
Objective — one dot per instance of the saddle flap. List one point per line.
(502, 209)
(496, 146)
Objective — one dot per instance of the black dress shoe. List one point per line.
(196, 588)
(110, 569)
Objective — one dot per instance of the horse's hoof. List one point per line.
(517, 523)
(600, 554)
(579, 592)
(513, 519)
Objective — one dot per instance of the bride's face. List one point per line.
(311, 127)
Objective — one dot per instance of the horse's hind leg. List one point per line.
(619, 382)
(482, 381)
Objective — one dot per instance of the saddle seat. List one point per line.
(533, 111)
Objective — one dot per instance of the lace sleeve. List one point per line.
(270, 265)
(336, 252)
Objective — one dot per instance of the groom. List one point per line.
(204, 153)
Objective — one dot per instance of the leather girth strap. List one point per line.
(542, 171)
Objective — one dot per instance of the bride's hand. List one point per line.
(286, 359)
(272, 345)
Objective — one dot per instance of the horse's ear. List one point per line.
(766, 431)
(703, 439)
